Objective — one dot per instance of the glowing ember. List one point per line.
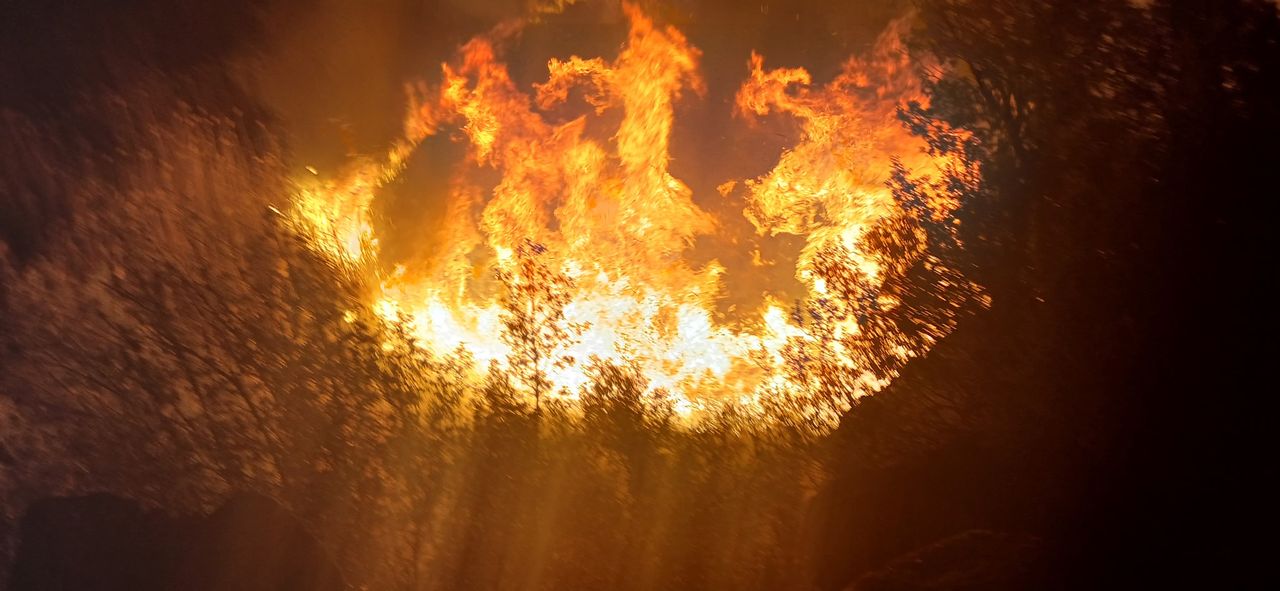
(588, 236)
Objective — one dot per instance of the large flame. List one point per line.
(607, 219)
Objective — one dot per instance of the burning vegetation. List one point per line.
(565, 240)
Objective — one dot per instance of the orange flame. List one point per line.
(609, 217)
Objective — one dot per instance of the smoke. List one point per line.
(334, 70)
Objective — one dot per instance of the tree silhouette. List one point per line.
(533, 301)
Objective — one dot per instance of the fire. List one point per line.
(589, 235)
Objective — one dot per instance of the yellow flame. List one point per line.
(613, 219)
